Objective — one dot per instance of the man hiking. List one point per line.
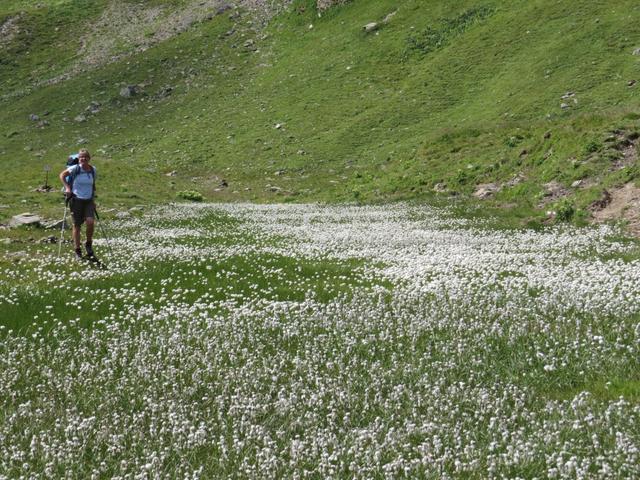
(80, 190)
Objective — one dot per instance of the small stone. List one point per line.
(440, 187)
(547, 135)
(370, 27)
(636, 51)
(576, 184)
(56, 225)
(129, 91)
(278, 126)
(34, 118)
(564, 106)
(172, 173)
(631, 83)
(388, 18)
(49, 239)
(80, 119)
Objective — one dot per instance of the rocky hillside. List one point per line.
(527, 108)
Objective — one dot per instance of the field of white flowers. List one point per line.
(308, 341)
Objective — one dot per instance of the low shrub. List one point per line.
(191, 195)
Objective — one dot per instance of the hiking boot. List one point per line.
(89, 249)
(78, 254)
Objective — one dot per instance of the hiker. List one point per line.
(80, 190)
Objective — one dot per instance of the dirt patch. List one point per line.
(627, 146)
(9, 29)
(623, 204)
(553, 191)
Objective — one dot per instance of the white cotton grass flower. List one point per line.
(448, 350)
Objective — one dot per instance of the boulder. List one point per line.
(25, 219)
(486, 190)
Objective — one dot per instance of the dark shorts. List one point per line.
(81, 210)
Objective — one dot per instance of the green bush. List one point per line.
(592, 146)
(191, 195)
(565, 211)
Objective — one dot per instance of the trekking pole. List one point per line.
(64, 222)
(102, 231)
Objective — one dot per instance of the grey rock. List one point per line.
(370, 27)
(388, 18)
(94, 107)
(636, 51)
(516, 180)
(25, 219)
(34, 118)
(564, 106)
(49, 239)
(123, 215)
(129, 91)
(486, 190)
(164, 92)
(440, 187)
(80, 119)
(56, 225)
(172, 173)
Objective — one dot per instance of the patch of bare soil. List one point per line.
(620, 204)
(9, 29)
(553, 191)
(627, 145)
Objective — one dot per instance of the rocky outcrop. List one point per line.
(324, 4)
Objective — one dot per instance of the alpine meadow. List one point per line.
(324, 239)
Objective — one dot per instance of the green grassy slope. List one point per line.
(315, 108)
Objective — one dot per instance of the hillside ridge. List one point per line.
(528, 109)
